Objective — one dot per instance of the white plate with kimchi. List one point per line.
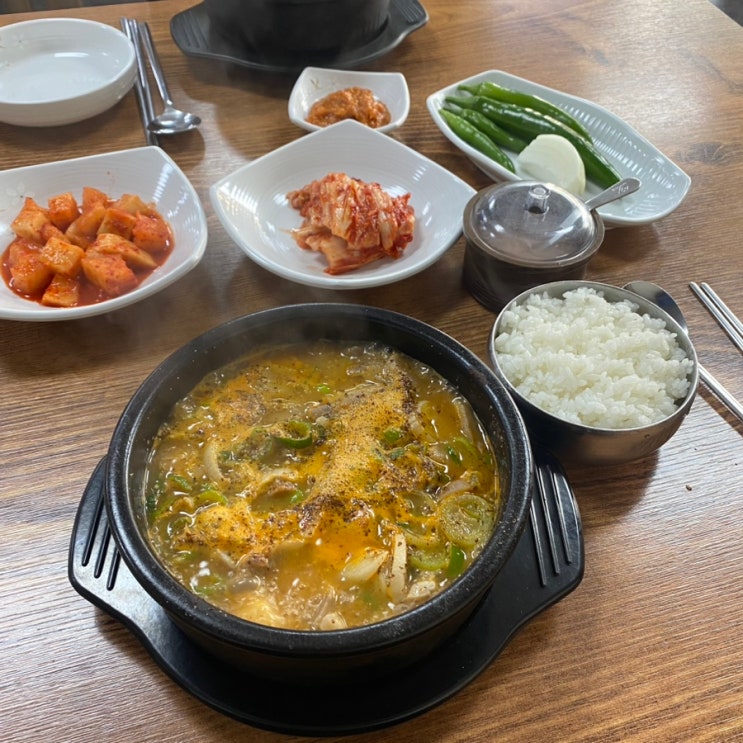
(345, 207)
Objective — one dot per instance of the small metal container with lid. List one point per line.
(525, 233)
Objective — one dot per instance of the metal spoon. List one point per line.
(620, 189)
(657, 295)
(172, 120)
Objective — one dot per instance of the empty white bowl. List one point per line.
(315, 83)
(56, 71)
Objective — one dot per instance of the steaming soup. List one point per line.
(321, 486)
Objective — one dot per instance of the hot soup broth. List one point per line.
(321, 486)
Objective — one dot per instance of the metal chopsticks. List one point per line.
(733, 405)
(141, 85)
(720, 311)
(732, 326)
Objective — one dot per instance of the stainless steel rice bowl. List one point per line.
(592, 444)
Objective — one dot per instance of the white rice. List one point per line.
(591, 361)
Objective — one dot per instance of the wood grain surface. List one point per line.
(649, 646)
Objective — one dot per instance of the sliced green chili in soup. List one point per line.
(321, 486)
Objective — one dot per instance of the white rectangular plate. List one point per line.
(664, 184)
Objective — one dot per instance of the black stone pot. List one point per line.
(315, 656)
(298, 26)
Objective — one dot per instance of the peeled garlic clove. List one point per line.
(553, 159)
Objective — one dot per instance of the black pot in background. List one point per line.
(296, 26)
(314, 656)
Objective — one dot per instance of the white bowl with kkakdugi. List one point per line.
(50, 217)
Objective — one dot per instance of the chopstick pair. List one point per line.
(131, 27)
(725, 317)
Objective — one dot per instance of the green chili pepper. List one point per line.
(295, 434)
(297, 497)
(453, 454)
(208, 585)
(180, 482)
(433, 558)
(462, 451)
(526, 100)
(456, 561)
(466, 518)
(475, 138)
(529, 124)
(499, 135)
(209, 496)
(153, 495)
(391, 435)
(178, 524)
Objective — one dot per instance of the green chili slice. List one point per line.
(456, 561)
(392, 435)
(432, 558)
(208, 585)
(178, 524)
(462, 451)
(295, 434)
(453, 454)
(466, 519)
(297, 497)
(180, 482)
(209, 496)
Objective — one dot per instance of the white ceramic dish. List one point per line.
(316, 82)
(664, 184)
(251, 203)
(145, 171)
(56, 71)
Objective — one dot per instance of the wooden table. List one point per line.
(649, 646)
